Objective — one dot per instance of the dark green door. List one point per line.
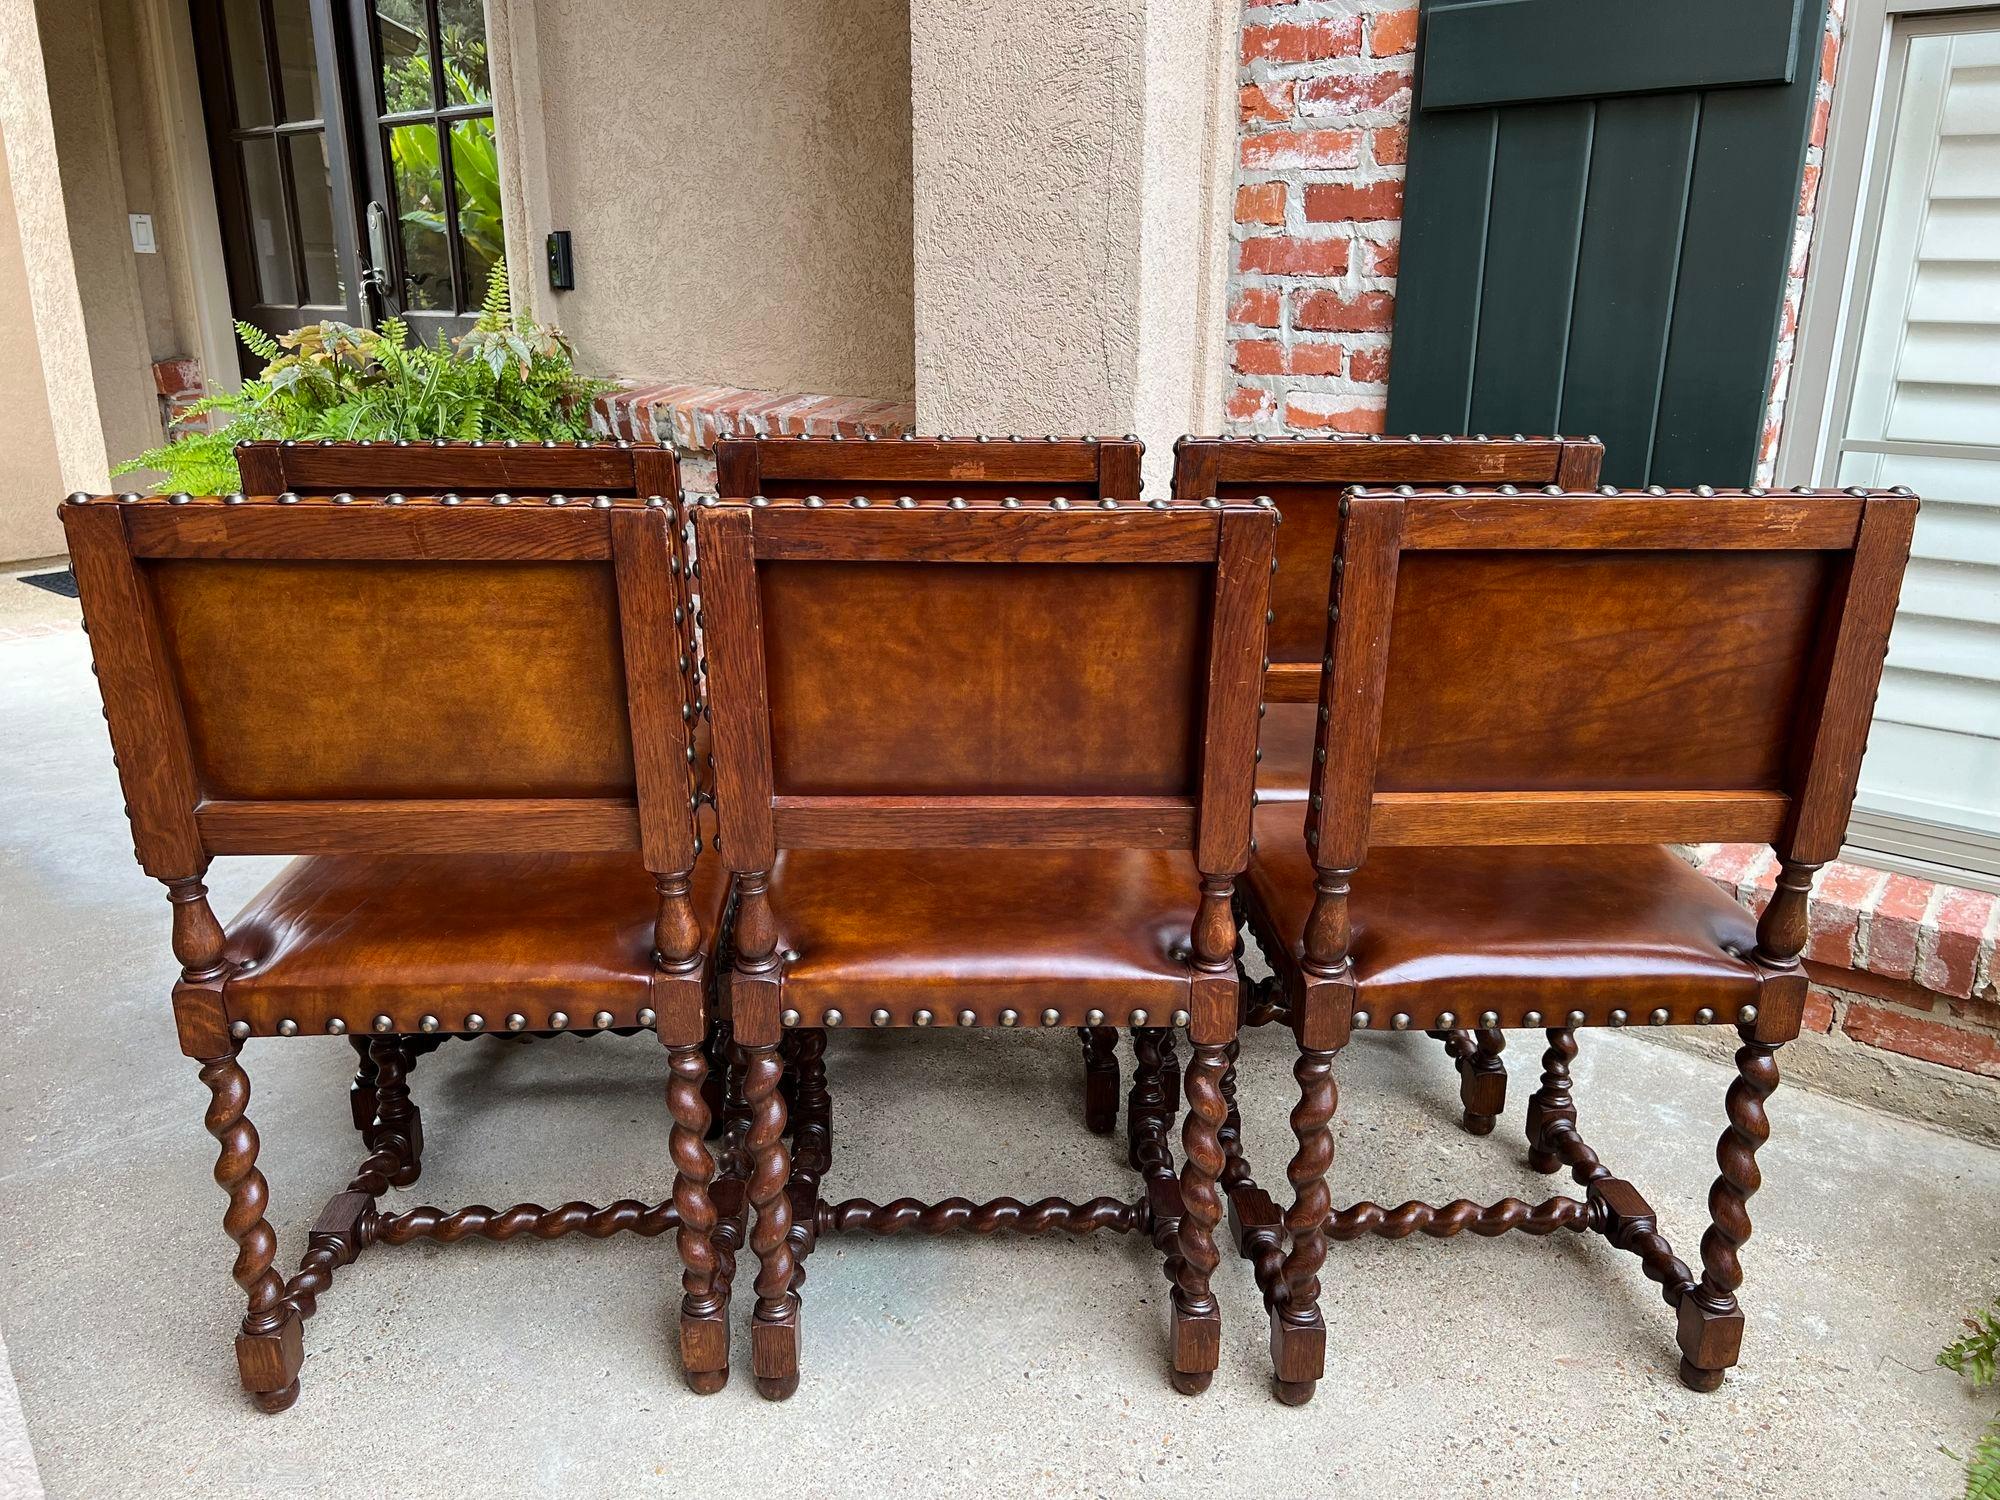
(1599, 217)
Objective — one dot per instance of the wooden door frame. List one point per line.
(336, 126)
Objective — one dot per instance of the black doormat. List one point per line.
(63, 583)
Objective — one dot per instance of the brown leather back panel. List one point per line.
(984, 679)
(1306, 479)
(1587, 670)
(310, 680)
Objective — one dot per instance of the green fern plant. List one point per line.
(1974, 1355)
(508, 378)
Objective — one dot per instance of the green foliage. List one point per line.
(508, 378)
(1974, 1356)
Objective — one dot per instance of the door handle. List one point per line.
(381, 251)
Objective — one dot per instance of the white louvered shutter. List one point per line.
(1925, 411)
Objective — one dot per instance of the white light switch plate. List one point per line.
(142, 234)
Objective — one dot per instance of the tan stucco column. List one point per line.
(1072, 167)
(50, 387)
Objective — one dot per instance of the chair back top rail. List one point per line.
(836, 470)
(395, 675)
(583, 467)
(951, 673)
(1306, 476)
(1608, 667)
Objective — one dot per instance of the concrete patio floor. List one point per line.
(935, 1368)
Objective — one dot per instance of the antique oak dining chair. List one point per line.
(1011, 471)
(983, 756)
(1305, 477)
(479, 471)
(1525, 697)
(470, 721)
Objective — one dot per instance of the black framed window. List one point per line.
(356, 164)
(433, 99)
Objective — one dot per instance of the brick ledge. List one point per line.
(692, 416)
(1898, 962)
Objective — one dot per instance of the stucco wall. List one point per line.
(88, 150)
(737, 184)
(1068, 226)
(30, 474)
(1029, 196)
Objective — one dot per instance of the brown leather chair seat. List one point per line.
(354, 937)
(1285, 752)
(1515, 929)
(985, 930)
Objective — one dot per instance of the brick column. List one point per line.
(1072, 178)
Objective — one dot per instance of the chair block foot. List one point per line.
(774, 1352)
(705, 1349)
(1298, 1351)
(275, 1401)
(1294, 1392)
(269, 1363)
(1544, 1161)
(1197, 1347)
(705, 1382)
(1698, 1379)
(1192, 1382)
(1481, 1124)
(1710, 1341)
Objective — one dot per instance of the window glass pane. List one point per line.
(463, 27)
(298, 63)
(475, 169)
(249, 79)
(270, 246)
(402, 29)
(312, 190)
(420, 208)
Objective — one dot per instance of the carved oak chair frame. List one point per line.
(180, 822)
(940, 520)
(1016, 470)
(1787, 779)
(583, 469)
(479, 470)
(1305, 478)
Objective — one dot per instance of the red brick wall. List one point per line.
(1324, 105)
(1903, 964)
(1324, 109)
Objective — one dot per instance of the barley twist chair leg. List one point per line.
(361, 1093)
(1146, 1105)
(1552, 1101)
(1197, 1321)
(1100, 1078)
(1298, 1328)
(704, 1328)
(811, 1105)
(1711, 1322)
(1482, 1078)
(1170, 1074)
(270, 1348)
(714, 1088)
(399, 1124)
(774, 1330)
(1236, 1166)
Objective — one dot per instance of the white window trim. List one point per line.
(1823, 355)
